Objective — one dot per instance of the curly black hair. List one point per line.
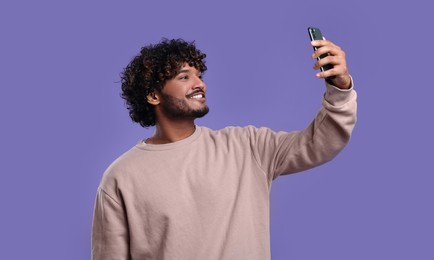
(149, 71)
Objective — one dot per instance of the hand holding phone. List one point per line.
(315, 34)
(336, 71)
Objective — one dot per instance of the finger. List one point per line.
(321, 43)
(332, 50)
(338, 63)
(326, 74)
(320, 51)
(337, 70)
(333, 60)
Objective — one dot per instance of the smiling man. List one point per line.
(189, 192)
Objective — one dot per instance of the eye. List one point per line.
(183, 77)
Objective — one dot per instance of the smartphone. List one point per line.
(315, 34)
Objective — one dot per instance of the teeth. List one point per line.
(197, 96)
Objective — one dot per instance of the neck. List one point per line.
(171, 131)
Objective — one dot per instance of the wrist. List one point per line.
(342, 81)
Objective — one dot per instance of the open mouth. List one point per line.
(197, 96)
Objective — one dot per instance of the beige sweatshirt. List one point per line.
(207, 196)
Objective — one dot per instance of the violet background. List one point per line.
(63, 122)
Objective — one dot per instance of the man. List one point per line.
(188, 192)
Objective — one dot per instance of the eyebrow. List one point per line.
(187, 71)
(183, 71)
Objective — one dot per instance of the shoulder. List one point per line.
(230, 131)
(237, 134)
(120, 168)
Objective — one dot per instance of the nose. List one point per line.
(199, 84)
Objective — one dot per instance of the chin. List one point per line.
(201, 112)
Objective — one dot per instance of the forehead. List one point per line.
(185, 68)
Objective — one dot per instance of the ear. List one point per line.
(153, 98)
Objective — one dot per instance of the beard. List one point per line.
(178, 108)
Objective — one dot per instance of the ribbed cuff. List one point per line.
(336, 96)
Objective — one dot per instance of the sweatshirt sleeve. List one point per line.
(109, 229)
(289, 152)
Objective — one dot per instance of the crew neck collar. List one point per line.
(159, 147)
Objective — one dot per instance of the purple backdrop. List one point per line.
(63, 122)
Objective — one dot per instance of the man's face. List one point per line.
(184, 95)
